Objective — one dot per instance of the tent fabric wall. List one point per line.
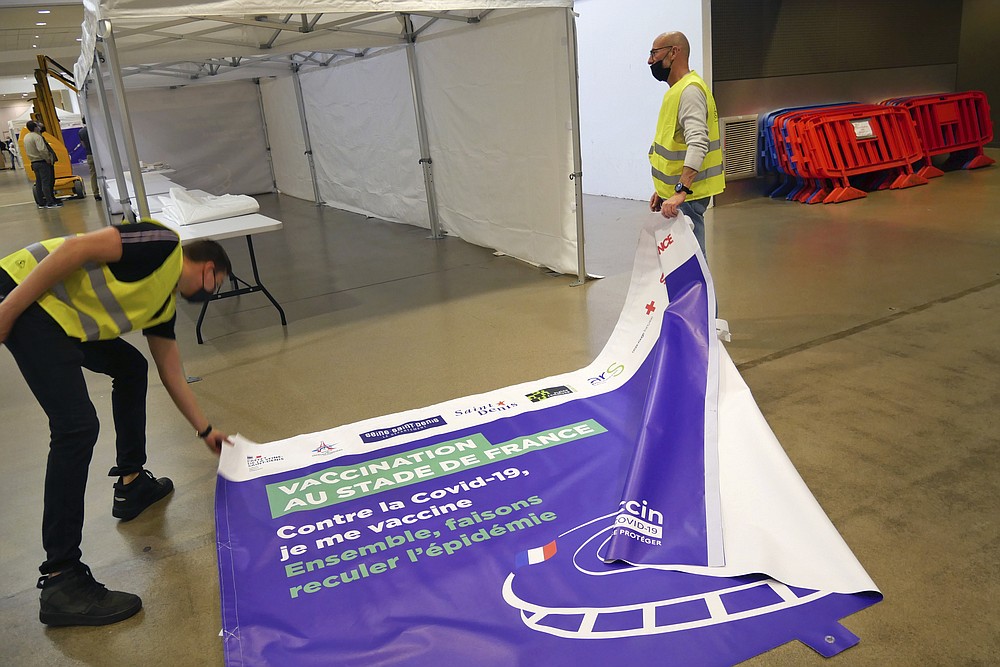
(500, 125)
(213, 137)
(291, 170)
(364, 138)
(99, 135)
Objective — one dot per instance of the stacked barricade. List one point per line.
(955, 123)
(819, 149)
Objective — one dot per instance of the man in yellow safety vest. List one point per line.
(686, 155)
(64, 303)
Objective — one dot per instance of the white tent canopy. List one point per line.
(459, 116)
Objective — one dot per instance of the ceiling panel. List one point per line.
(21, 40)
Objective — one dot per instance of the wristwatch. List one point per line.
(680, 187)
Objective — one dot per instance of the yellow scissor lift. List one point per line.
(44, 110)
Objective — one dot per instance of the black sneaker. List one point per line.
(74, 598)
(132, 499)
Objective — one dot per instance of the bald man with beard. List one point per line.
(686, 155)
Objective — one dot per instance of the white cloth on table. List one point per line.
(183, 207)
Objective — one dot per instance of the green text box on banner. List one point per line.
(340, 483)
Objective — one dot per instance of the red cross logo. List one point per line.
(650, 307)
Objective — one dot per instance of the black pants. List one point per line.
(45, 182)
(52, 363)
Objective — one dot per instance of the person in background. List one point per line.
(43, 160)
(64, 303)
(686, 155)
(12, 148)
(85, 141)
(5, 155)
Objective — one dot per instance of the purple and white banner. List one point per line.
(575, 520)
(670, 512)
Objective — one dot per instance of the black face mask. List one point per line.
(659, 72)
(201, 296)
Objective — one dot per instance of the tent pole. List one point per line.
(577, 175)
(131, 153)
(305, 132)
(425, 151)
(116, 160)
(267, 139)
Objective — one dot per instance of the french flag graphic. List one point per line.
(536, 555)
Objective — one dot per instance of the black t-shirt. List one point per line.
(145, 247)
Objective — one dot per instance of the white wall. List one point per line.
(619, 99)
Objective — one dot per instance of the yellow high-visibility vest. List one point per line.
(666, 155)
(91, 304)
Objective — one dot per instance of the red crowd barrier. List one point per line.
(950, 123)
(824, 147)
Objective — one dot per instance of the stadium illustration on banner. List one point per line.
(656, 610)
(636, 511)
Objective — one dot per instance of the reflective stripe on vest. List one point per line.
(90, 328)
(673, 180)
(680, 155)
(91, 304)
(667, 153)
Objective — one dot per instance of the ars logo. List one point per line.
(614, 370)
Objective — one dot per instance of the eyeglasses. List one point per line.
(652, 52)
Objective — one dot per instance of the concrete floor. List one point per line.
(869, 332)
